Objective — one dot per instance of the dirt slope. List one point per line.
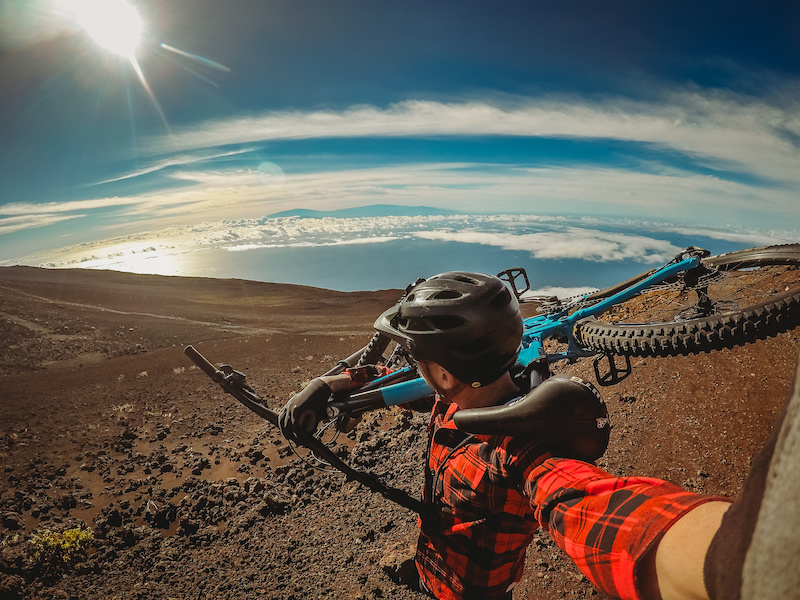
(105, 423)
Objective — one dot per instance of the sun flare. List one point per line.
(112, 24)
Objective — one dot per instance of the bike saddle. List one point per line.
(567, 414)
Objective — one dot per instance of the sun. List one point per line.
(113, 24)
(116, 27)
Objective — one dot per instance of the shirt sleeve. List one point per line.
(604, 523)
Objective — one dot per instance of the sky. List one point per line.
(681, 113)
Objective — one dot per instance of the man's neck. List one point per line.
(489, 395)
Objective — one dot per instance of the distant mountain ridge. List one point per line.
(373, 210)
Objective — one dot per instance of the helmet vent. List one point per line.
(446, 295)
(501, 299)
(465, 279)
(429, 324)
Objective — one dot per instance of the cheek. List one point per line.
(423, 370)
(426, 375)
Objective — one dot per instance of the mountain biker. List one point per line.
(633, 537)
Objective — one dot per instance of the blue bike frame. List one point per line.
(539, 328)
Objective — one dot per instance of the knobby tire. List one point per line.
(747, 295)
(373, 352)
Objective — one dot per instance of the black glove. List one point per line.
(301, 414)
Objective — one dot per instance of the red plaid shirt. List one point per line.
(493, 492)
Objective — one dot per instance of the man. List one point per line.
(633, 537)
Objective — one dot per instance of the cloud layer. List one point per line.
(540, 237)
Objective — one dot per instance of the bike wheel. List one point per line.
(373, 352)
(730, 300)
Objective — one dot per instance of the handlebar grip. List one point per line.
(202, 362)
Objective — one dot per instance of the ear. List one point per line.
(442, 379)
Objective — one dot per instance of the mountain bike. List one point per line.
(694, 303)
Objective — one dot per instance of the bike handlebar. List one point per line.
(234, 383)
(202, 362)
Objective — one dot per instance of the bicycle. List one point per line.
(694, 303)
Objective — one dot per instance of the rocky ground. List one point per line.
(106, 425)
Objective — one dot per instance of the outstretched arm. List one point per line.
(625, 534)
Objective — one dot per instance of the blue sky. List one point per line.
(680, 112)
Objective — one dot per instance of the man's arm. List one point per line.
(611, 527)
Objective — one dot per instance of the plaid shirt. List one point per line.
(493, 492)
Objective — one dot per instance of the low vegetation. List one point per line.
(60, 548)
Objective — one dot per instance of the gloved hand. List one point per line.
(299, 418)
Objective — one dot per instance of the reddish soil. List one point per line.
(105, 423)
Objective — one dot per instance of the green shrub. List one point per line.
(60, 548)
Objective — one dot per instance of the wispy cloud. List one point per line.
(32, 221)
(723, 129)
(176, 161)
(52, 208)
(573, 242)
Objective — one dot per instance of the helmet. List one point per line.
(469, 323)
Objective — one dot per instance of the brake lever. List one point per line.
(235, 378)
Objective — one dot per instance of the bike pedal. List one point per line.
(614, 373)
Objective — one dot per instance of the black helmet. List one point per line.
(467, 322)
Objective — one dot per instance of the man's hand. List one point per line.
(299, 418)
